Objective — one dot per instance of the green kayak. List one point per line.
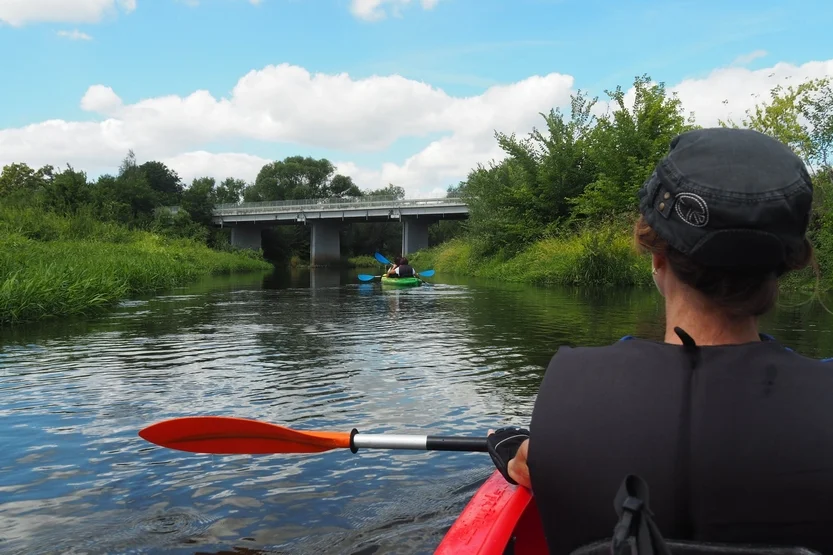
(401, 282)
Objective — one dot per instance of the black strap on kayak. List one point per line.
(636, 533)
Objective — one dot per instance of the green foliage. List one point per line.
(363, 261)
(230, 191)
(558, 208)
(54, 265)
(198, 200)
(163, 181)
(298, 177)
(598, 256)
(577, 168)
(626, 145)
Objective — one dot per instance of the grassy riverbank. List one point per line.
(52, 265)
(603, 257)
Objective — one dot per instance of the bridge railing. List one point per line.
(351, 203)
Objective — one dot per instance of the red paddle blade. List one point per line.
(229, 435)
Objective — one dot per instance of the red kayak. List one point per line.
(500, 518)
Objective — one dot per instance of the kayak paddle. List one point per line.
(382, 259)
(229, 435)
(368, 277)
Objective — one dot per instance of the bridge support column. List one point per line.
(246, 237)
(325, 243)
(414, 235)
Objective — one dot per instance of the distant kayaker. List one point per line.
(396, 262)
(402, 269)
(731, 431)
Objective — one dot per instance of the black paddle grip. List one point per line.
(470, 444)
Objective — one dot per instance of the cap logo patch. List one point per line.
(692, 209)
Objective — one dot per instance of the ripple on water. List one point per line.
(449, 359)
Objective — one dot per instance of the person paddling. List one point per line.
(731, 431)
(396, 261)
(402, 269)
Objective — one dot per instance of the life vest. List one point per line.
(405, 271)
(735, 442)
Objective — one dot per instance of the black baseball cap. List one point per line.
(730, 198)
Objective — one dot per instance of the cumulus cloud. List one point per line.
(375, 10)
(194, 3)
(288, 105)
(74, 35)
(191, 165)
(20, 12)
(744, 59)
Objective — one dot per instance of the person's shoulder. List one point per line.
(613, 355)
(775, 344)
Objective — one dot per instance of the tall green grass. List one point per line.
(363, 261)
(53, 266)
(600, 257)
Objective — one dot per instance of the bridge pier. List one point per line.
(246, 237)
(414, 235)
(325, 243)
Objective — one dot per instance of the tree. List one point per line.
(198, 200)
(298, 177)
(525, 196)
(626, 145)
(780, 119)
(68, 191)
(391, 191)
(164, 181)
(20, 178)
(342, 186)
(230, 191)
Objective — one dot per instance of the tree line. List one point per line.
(579, 171)
(582, 171)
(138, 195)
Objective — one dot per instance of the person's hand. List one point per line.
(510, 442)
(518, 469)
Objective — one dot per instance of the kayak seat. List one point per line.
(703, 548)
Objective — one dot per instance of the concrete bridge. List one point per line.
(248, 220)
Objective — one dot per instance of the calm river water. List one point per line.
(309, 350)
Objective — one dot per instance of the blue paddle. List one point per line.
(382, 259)
(368, 277)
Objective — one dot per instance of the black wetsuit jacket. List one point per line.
(405, 271)
(734, 442)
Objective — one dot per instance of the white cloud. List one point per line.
(74, 35)
(374, 10)
(195, 3)
(288, 105)
(744, 59)
(729, 92)
(101, 99)
(20, 12)
(191, 165)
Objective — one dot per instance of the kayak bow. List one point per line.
(402, 282)
(500, 518)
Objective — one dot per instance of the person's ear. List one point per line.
(659, 268)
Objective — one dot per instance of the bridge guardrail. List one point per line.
(306, 205)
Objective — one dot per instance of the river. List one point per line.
(310, 350)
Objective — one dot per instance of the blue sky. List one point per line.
(463, 47)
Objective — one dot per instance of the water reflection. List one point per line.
(312, 349)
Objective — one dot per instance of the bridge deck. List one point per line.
(375, 209)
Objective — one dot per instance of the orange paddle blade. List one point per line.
(229, 435)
